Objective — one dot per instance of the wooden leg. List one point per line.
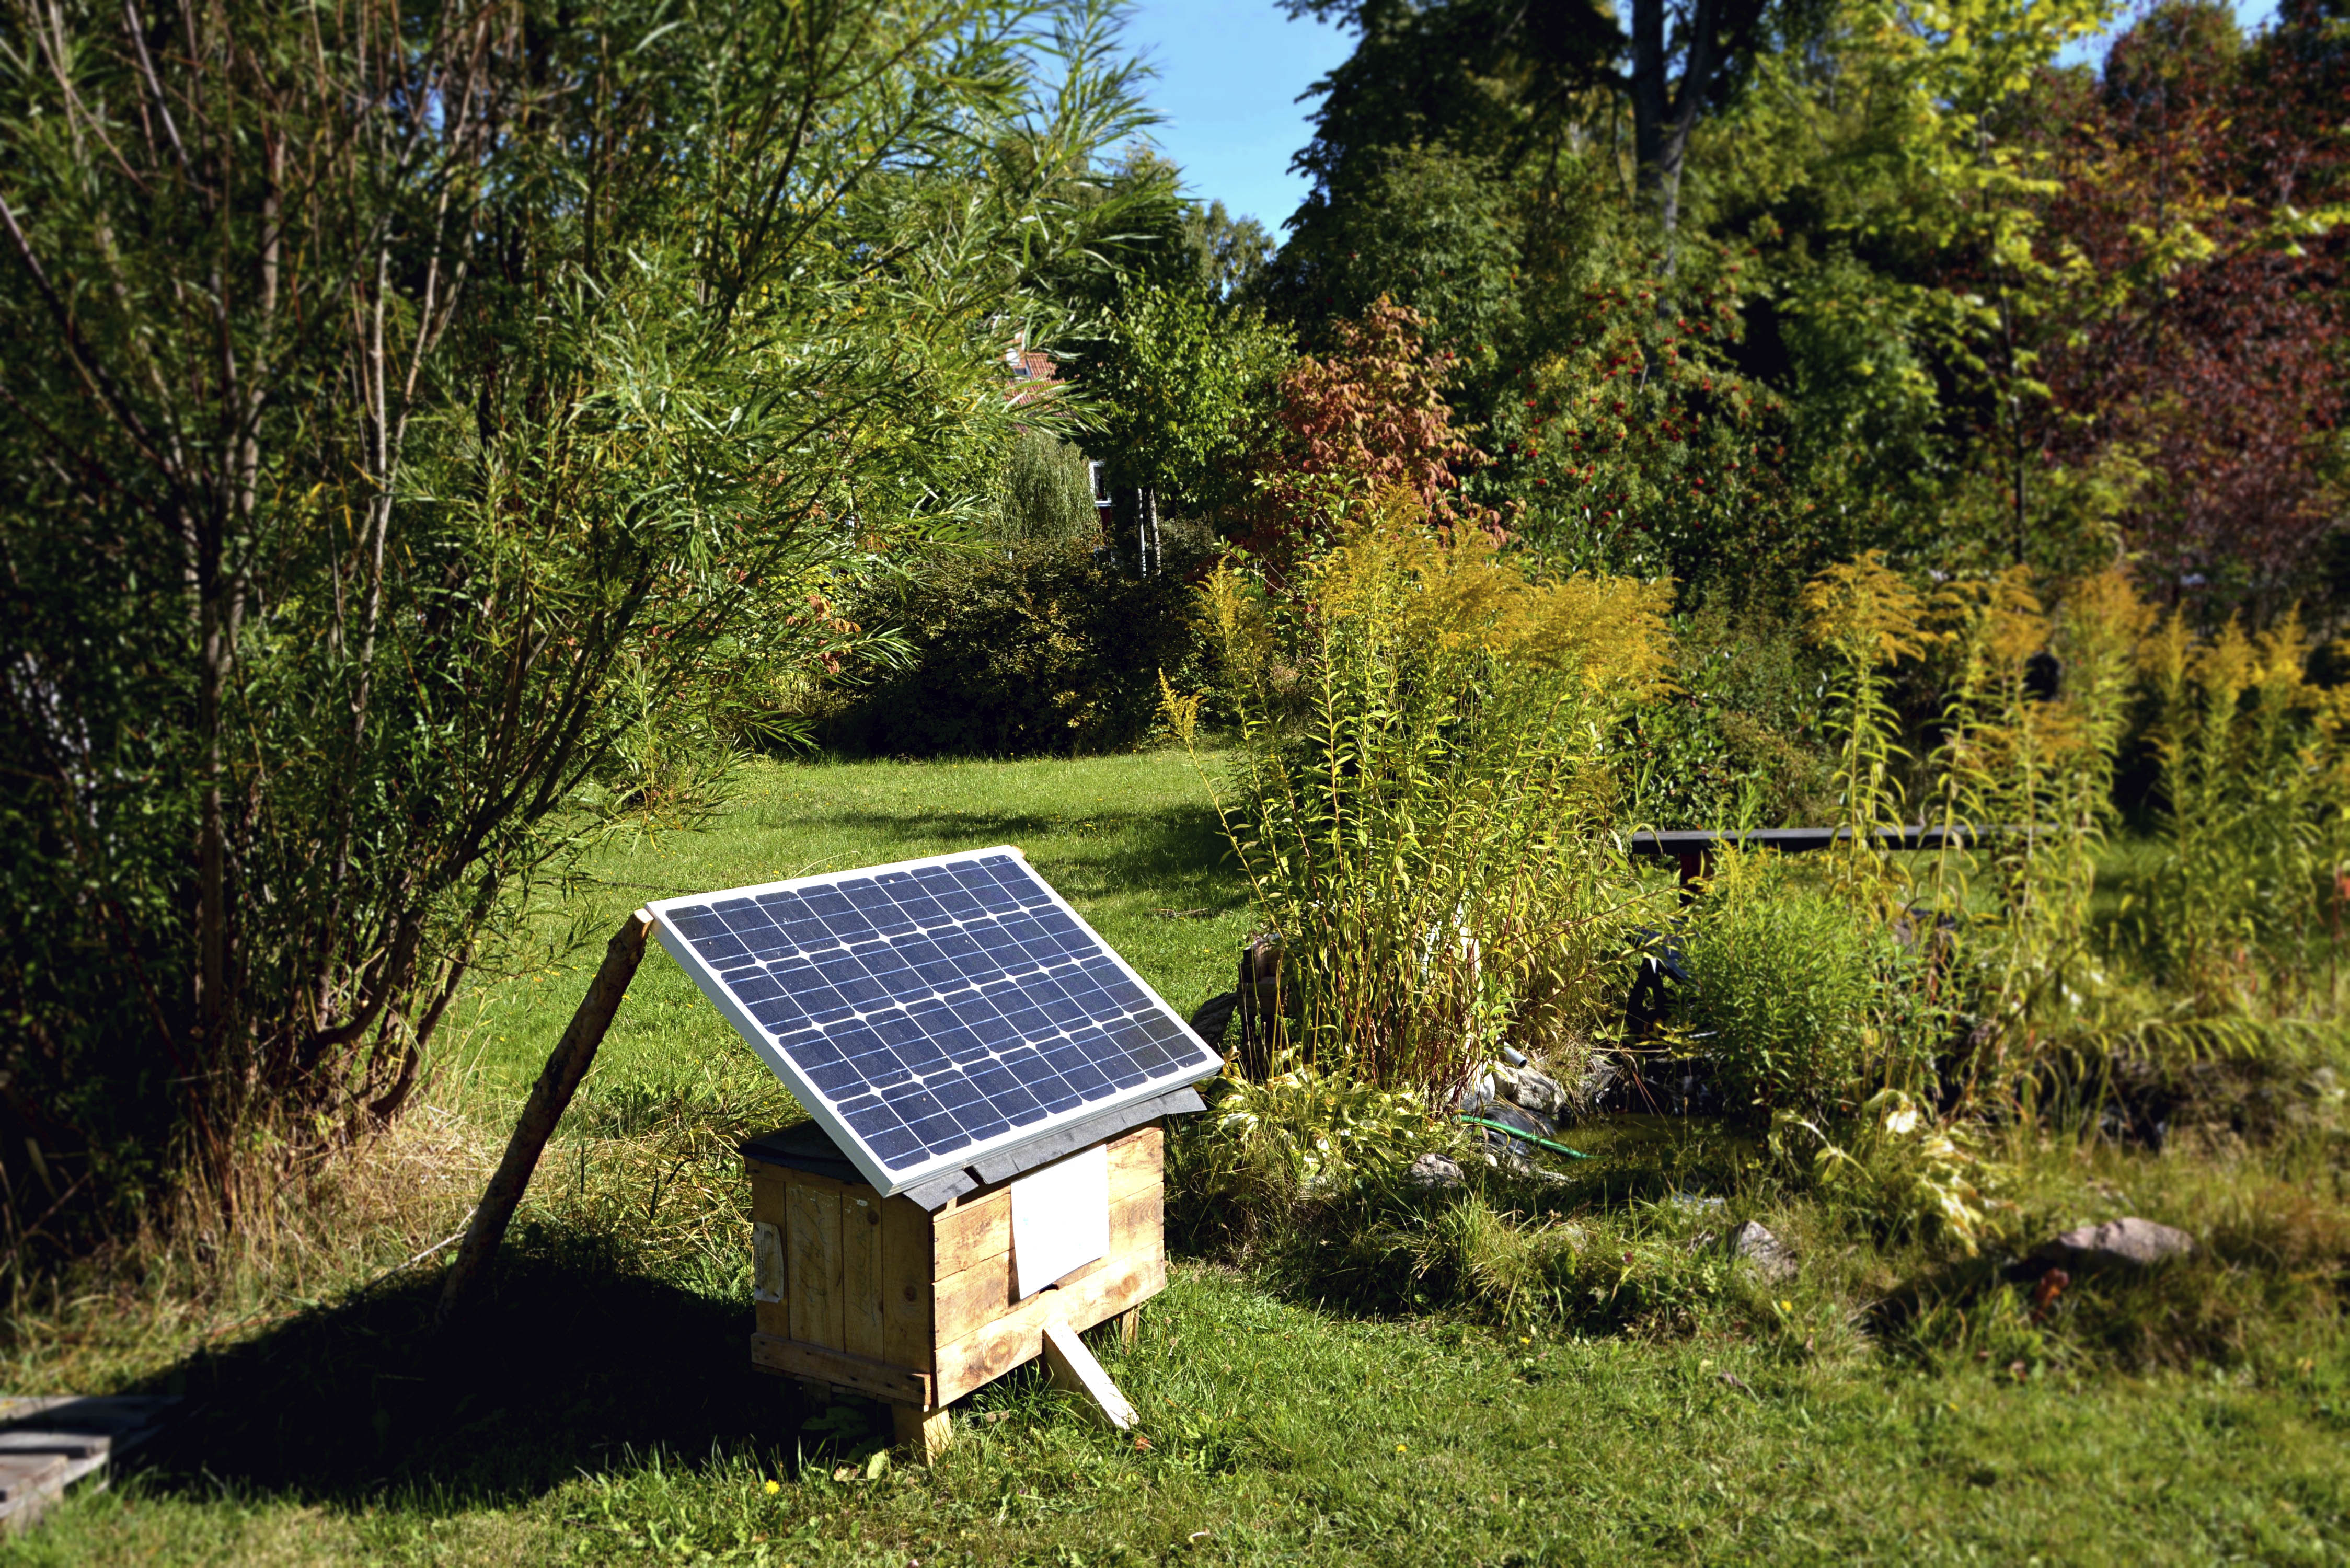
(923, 1433)
(1130, 1326)
(1073, 1367)
(557, 1082)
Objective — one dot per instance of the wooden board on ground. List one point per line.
(48, 1444)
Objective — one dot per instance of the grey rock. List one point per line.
(1435, 1173)
(2138, 1243)
(1492, 1108)
(1531, 1088)
(1752, 1243)
(1597, 1079)
(1510, 1162)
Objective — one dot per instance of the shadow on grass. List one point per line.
(1161, 847)
(571, 1365)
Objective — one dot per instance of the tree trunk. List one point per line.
(1651, 104)
(1663, 111)
(1135, 508)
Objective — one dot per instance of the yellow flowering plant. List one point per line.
(1425, 793)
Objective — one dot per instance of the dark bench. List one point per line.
(1693, 847)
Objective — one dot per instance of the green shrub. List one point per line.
(1742, 737)
(1797, 998)
(1017, 649)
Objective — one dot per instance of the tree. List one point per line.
(1512, 76)
(1175, 390)
(1427, 227)
(2199, 180)
(1351, 426)
(1233, 252)
(394, 390)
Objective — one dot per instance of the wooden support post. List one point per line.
(1130, 1326)
(1075, 1370)
(925, 1435)
(557, 1082)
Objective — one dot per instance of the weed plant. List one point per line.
(1428, 777)
(2253, 784)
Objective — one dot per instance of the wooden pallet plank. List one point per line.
(979, 1227)
(861, 1274)
(48, 1443)
(1019, 1336)
(984, 1291)
(1074, 1370)
(813, 1245)
(906, 1337)
(72, 1445)
(895, 1385)
(25, 1476)
(923, 1433)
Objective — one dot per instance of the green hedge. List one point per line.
(1042, 648)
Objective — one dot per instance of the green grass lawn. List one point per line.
(1131, 842)
(603, 1407)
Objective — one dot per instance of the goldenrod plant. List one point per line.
(2251, 784)
(1867, 618)
(1425, 791)
(2033, 771)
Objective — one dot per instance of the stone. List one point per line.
(2137, 1244)
(1598, 1078)
(1435, 1173)
(1531, 1088)
(1510, 1162)
(1752, 1243)
(1518, 1119)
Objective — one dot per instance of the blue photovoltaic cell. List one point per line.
(938, 1010)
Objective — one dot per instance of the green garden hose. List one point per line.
(1521, 1132)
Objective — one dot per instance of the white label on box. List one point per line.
(1060, 1219)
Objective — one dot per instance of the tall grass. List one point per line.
(1425, 792)
(2042, 681)
(2253, 786)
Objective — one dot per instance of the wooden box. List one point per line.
(916, 1307)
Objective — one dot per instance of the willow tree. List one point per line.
(384, 385)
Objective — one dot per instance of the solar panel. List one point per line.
(932, 1012)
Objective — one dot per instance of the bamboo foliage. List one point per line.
(395, 390)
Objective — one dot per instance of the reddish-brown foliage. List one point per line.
(2219, 366)
(1368, 418)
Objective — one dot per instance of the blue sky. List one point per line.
(1230, 72)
